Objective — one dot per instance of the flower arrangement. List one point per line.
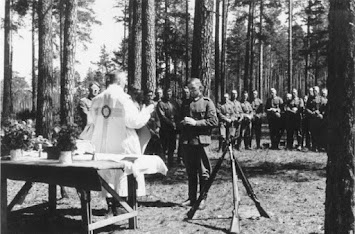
(65, 137)
(17, 136)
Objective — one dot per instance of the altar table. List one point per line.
(84, 175)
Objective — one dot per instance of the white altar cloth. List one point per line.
(138, 165)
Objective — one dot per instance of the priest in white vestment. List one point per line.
(115, 119)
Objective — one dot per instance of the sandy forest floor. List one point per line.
(290, 185)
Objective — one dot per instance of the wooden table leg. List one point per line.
(3, 205)
(132, 199)
(20, 196)
(52, 198)
(85, 199)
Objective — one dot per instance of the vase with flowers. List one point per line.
(65, 141)
(17, 138)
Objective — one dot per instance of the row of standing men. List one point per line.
(303, 120)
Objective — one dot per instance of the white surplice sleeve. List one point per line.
(134, 118)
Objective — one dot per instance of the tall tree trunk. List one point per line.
(67, 80)
(224, 38)
(135, 44)
(7, 95)
(290, 60)
(316, 62)
(34, 77)
(44, 118)
(261, 52)
(252, 42)
(166, 45)
(124, 35)
(216, 55)
(246, 82)
(187, 41)
(340, 196)
(148, 45)
(202, 42)
(307, 47)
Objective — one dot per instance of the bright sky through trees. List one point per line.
(109, 33)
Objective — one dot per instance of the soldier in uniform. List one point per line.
(225, 113)
(184, 108)
(293, 110)
(314, 111)
(196, 136)
(324, 121)
(257, 105)
(245, 129)
(168, 111)
(154, 146)
(85, 103)
(238, 113)
(273, 110)
(306, 134)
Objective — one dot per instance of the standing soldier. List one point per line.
(314, 110)
(245, 129)
(257, 105)
(184, 108)
(196, 137)
(293, 110)
(154, 145)
(324, 121)
(225, 113)
(306, 133)
(168, 111)
(238, 113)
(273, 111)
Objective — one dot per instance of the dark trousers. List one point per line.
(293, 127)
(306, 134)
(198, 167)
(256, 130)
(154, 147)
(315, 127)
(168, 140)
(245, 133)
(275, 127)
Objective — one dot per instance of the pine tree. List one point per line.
(202, 42)
(135, 44)
(68, 65)
(44, 118)
(7, 94)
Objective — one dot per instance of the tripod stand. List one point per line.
(236, 171)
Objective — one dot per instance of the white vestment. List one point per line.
(115, 119)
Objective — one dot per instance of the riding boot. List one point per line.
(203, 183)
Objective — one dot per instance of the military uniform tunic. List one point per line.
(293, 111)
(226, 117)
(257, 105)
(168, 111)
(273, 110)
(195, 140)
(245, 129)
(315, 121)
